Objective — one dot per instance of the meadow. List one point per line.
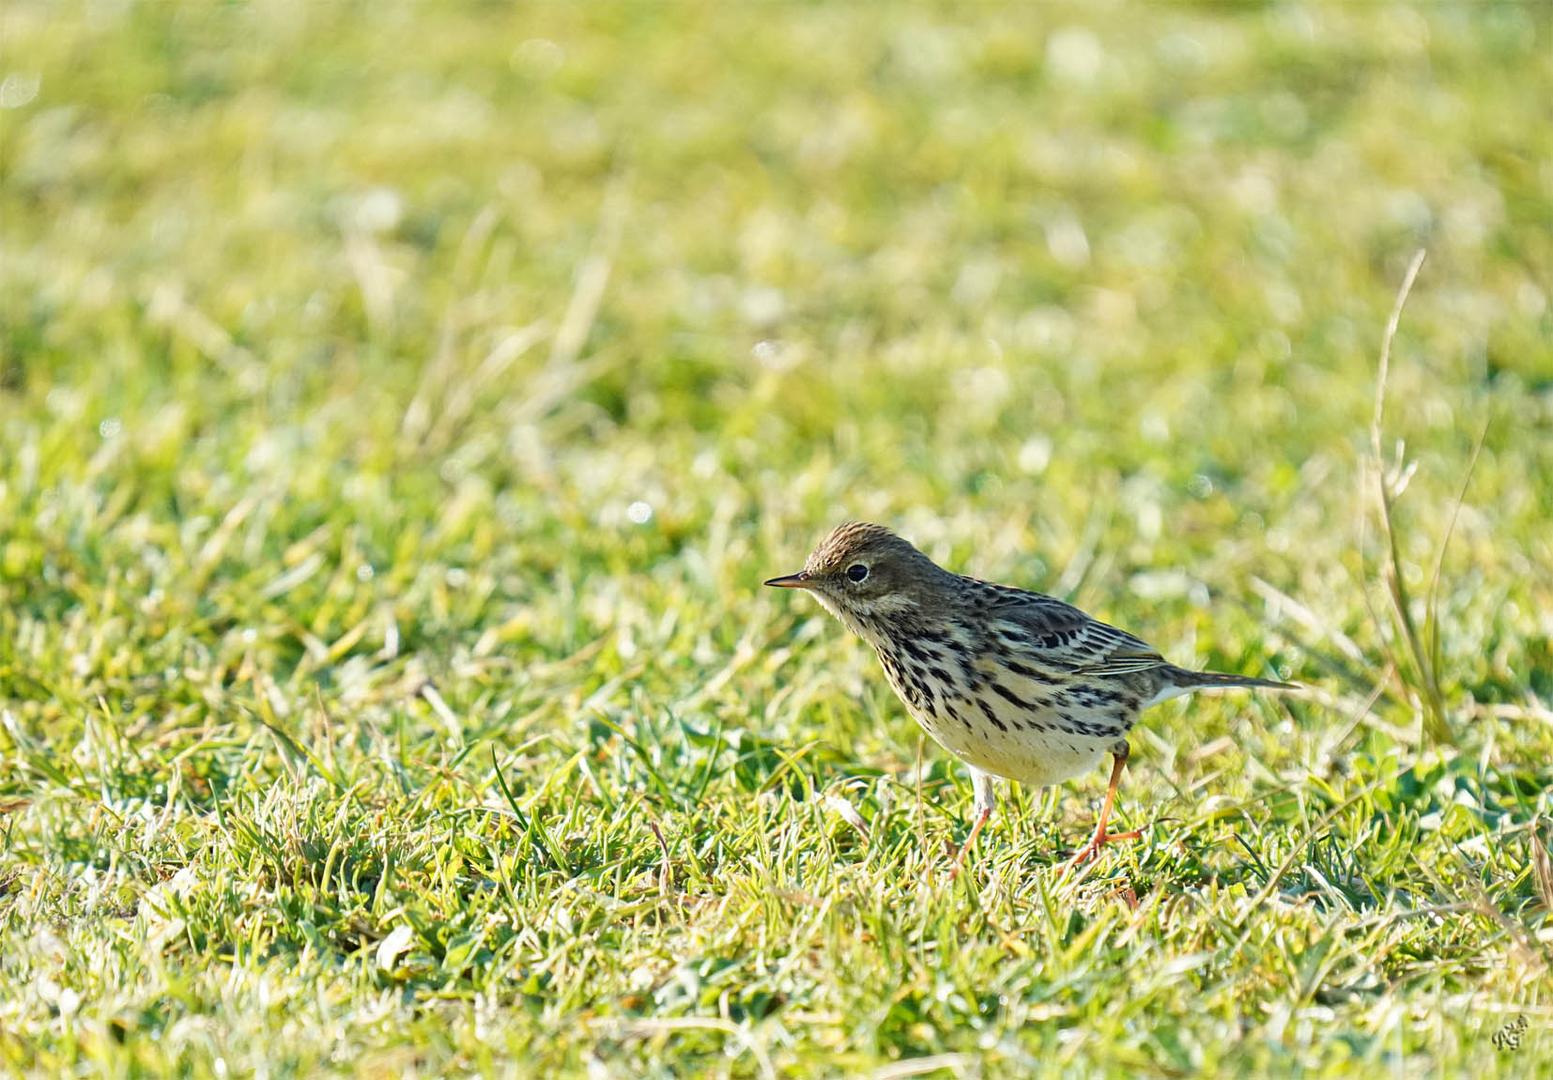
(401, 404)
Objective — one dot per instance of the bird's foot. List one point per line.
(957, 862)
(1101, 839)
(981, 819)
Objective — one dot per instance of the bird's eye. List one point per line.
(857, 572)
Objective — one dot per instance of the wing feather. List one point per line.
(1060, 636)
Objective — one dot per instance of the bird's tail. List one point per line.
(1185, 680)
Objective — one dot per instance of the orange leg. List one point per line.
(985, 801)
(1102, 838)
(981, 819)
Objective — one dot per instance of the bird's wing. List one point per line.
(1059, 635)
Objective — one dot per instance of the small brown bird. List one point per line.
(1013, 683)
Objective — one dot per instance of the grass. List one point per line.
(400, 406)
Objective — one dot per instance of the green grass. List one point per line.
(400, 406)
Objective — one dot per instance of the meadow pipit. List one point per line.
(1013, 683)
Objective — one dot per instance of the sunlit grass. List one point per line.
(400, 407)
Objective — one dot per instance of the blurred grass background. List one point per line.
(400, 404)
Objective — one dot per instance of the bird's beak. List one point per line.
(800, 580)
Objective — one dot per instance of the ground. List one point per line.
(400, 406)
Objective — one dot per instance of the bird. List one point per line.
(1016, 684)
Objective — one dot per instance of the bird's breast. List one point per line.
(1020, 723)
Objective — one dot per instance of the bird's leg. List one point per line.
(983, 803)
(1119, 761)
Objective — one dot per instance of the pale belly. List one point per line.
(1048, 736)
(1032, 730)
(1029, 756)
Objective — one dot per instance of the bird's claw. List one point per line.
(1092, 849)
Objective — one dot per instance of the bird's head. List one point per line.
(866, 575)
